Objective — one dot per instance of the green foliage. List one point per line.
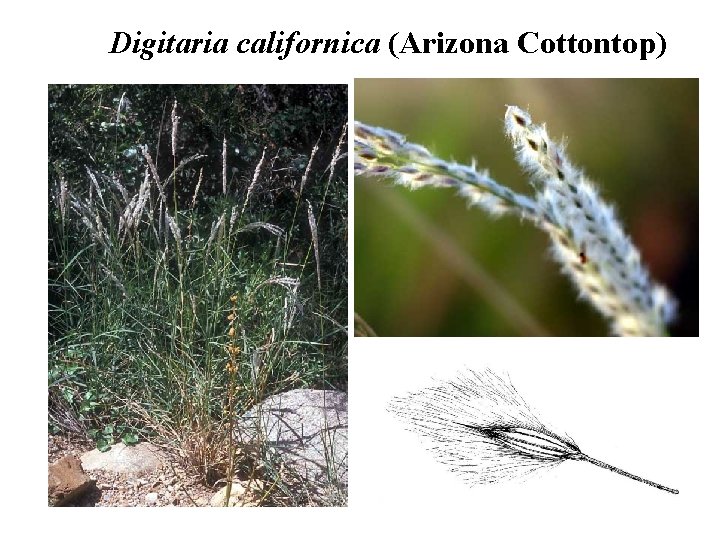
(138, 309)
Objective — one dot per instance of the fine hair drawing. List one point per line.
(480, 427)
(586, 237)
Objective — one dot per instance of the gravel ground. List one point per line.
(168, 486)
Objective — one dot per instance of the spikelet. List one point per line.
(480, 427)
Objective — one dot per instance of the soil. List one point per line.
(172, 485)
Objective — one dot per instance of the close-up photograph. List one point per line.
(526, 207)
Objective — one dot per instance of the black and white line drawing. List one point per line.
(480, 427)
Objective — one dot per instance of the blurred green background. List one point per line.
(637, 139)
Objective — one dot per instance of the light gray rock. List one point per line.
(238, 496)
(307, 429)
(130, 460)
(151, 499)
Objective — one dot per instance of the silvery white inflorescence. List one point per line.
(587, 239)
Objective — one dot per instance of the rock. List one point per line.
(241, 494)
(307, 429)
(151, 499)
(67, 481)
(131, 460)
(237, 493)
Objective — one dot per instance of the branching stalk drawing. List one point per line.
(586, 237)
(482, 429)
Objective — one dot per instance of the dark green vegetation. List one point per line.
(151, 231)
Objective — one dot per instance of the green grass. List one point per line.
(138, 314)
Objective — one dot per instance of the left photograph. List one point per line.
(197, 295)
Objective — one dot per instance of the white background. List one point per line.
(649, 406)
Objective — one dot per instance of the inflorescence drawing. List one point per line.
(484, 431)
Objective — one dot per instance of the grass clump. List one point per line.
(186, 282)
